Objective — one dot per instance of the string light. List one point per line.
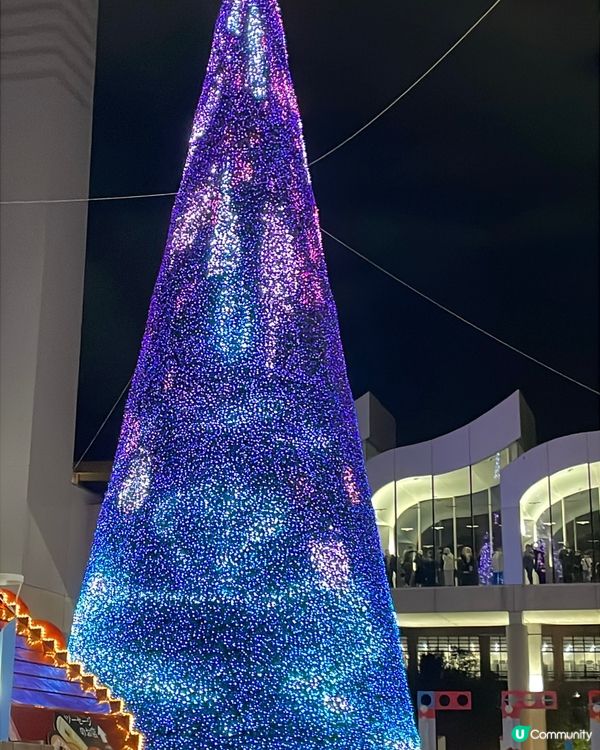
(486, 573)
(497, 465)
(236, 594)
(47, 639)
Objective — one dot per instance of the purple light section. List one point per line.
(236, 595)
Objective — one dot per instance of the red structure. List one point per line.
(516, 701)
(429, 702)
(48, 685)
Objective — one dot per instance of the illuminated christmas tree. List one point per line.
(236, 595)
(486, 573)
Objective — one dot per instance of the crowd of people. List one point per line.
(417, 568)
(570, 566)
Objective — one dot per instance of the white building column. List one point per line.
(536, 671)
(524, 655)
(46, 101)
(517, 647)
(512, 547)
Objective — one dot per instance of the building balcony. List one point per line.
(468, 606)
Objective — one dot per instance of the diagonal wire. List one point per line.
(84, 200)
(99, 430)
(333, 150)
(392, 104)
(313, 162)
(416, 291)
(456, 315)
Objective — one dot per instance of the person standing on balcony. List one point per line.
(389, 570)
(430, 566)
(448, 566)
(577, 567)
(393, 574)
(467, 568)
(587, 565)
(419, 572)
(498, 567)
(566, 559)
(539, 557)
(408, 568)
(529, 562)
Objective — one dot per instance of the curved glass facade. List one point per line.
(560, 527)
(448, 527)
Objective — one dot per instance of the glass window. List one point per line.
(496, 518)
(556, 523)
(544, 570)
(457, 652)
(453, 515)
(414, 512)
(499, 656)
(594, 472)
(404, 641)
(449, 526)
(581, 655)
(481, 530)
(487, 524)
(407, 543)
(464, 534)
(407, 531)
(514, 451)
(560, 524)
(548, 658)
(444, 523)
(595, 479)
(427, 522)
(465, 540)
(594, 543)
(572, 514)
(537, 521)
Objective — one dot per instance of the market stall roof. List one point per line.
(45, 680)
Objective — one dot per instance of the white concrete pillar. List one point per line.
(536, 671)
(517, 647)
(46, 101)
(524, 654)
(511, 543)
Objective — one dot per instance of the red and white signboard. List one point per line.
(429, 702)
(514, 702)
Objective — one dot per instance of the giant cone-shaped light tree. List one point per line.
(236, 594)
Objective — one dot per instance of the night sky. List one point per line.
(479, 188)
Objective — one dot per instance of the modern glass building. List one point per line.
(482, 529)
(436, 501)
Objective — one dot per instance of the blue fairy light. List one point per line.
(236, 595)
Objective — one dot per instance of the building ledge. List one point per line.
(465, 606)
(92, 472)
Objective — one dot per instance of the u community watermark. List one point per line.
(523, 733)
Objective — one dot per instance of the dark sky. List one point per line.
(479, 188)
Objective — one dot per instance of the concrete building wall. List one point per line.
(46, 97)
(376, 425)
(493, 431)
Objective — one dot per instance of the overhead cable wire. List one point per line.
(459, 317)
(46, 201)
(331, 151)
(99, 430)
(416, 291)
(392, 104)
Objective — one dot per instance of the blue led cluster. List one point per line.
(236, 595)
